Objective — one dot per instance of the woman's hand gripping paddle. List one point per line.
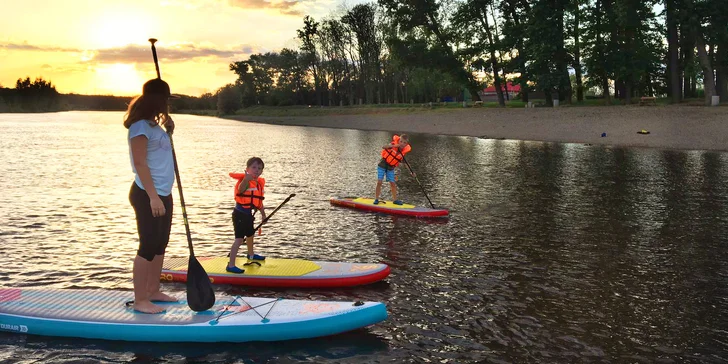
(418, 181)
(200, 296)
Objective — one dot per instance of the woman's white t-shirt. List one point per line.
(159, 156)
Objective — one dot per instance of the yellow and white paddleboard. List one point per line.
(274, 272)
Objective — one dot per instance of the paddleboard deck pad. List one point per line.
(102, 314)
(388, 207)
(273, 272)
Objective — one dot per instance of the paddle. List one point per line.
(274, 211)
(200, 296)
(418, 181)
(269, 216)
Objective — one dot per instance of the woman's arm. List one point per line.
(139, 154)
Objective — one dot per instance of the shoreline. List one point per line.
(671, 127)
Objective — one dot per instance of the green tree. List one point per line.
(361, 21)
(307, 35)
(229, 100)
(36, 96)
(472, 18)
(424, 21)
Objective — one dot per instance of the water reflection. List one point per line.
(553, 252)
(361, 343)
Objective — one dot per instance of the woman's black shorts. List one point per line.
(153, 231)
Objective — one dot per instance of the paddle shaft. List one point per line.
(418, 180)
(174, 159)
(274, 211)
(200, 295)
(181, 198)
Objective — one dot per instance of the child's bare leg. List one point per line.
(142, 303)
(234, 252)
(379, 189)
(249, 242)
(394, 190)
(153, 281)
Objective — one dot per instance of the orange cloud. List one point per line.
(28, 47)
(138, 53)
(284, 7)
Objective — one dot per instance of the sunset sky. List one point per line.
(101, 47)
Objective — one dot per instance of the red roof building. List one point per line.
(509, 87)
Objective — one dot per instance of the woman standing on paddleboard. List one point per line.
(150, 152)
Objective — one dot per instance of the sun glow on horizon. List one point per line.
(121, 79)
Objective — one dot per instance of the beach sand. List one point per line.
(670, 127)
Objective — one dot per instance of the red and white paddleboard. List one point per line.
(388, 207)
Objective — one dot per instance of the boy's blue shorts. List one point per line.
(381, 172)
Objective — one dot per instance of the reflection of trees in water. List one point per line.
(622, 241)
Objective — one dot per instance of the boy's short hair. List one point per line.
(255, 160)
(404, 136)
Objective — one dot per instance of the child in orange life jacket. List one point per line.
(392, 155)
(248, 197)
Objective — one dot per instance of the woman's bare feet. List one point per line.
(161, 297)
(147, 307)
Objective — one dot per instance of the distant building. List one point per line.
(490, 94)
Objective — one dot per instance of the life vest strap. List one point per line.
(251, 196)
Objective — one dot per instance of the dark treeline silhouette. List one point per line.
(397, 51)
(27, 96)
(404, 51)
(41, 96)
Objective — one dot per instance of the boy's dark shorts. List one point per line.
(243, 224)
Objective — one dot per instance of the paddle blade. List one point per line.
(200, 296)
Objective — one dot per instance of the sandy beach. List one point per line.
(670, 127)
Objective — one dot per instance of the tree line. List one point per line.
(41, 96)
(395, 51)
(403, 51)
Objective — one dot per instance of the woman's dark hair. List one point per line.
(152, 105)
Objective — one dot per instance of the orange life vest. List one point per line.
(252, 197)
(394, 155)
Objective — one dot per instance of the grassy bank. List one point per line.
(304, 110)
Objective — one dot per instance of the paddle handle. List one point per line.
(154, 53)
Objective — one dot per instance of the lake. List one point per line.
(552, 253)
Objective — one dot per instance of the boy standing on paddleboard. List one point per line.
(248, 199)
(392, 155)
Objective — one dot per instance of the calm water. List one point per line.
(554, 252)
